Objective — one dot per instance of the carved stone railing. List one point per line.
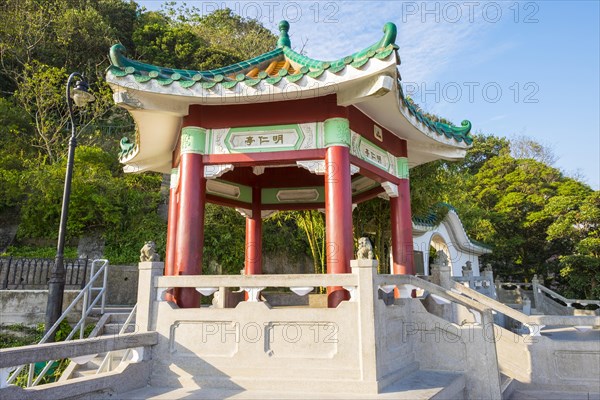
(249, 283)
(518, 294)
(361, 346)
(80, 350)
(550, 302)
(481, 284)
(534, 323)
(484, 283)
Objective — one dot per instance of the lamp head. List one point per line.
(80, 94)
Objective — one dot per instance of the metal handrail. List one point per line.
(86, 294)
(107, 361)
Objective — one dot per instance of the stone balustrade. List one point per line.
(550, 302)
(361, 346)
(130, 376)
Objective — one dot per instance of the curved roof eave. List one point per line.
(143, 87)
(456, 229)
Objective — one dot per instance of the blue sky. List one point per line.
(511, 68)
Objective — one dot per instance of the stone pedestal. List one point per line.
(366, 298)
(441, 272)
(147, 294)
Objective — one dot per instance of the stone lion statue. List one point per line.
(148, 252)
(365, 249)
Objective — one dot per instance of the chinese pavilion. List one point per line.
(280, 131)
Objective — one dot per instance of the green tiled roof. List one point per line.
(382, 49)
(459, 133)
(122, 66)
(435, 217)
(232, 75)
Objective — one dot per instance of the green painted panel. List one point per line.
(402, 168)
(269, 195)
(245, 191)
(373, 154)
(337, 132)
(193, 140)
(275, 138)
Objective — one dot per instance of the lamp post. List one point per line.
(80, 96)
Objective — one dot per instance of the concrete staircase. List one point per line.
(109, 324)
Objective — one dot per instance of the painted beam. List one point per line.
(265, 113)
(371, 171)
(368, 195)
(257, 159)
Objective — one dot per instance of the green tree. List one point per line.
(312, 223)
(241, 37)
(373, 219)
(575, 214)
(160, 41)
(483, 149)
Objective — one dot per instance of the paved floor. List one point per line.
(552, 395)
(569, 333)
(417, 386)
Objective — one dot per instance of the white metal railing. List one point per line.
(106, 364)
(85, 295)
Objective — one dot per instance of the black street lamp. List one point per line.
(56, 285)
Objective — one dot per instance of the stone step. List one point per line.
(114, 328)
(119, 317)
(96, 311)
(109, 324)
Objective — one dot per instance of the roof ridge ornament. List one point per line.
(284, 38)
(117, 54)
(390, 31)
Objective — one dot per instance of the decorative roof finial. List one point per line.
(117, 54)
(284, 39)
(389, 37)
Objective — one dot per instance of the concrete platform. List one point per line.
(552, 395)
(420, 385)
(571, 334)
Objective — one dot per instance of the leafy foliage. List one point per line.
(43, 42)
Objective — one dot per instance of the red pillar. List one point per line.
(338, 218)
(253, 262)
(190, 224)
(171, 230)
(402, 243)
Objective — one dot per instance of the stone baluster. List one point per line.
(440, 271)
(145, 318)
(488, 274)
(537, 293)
